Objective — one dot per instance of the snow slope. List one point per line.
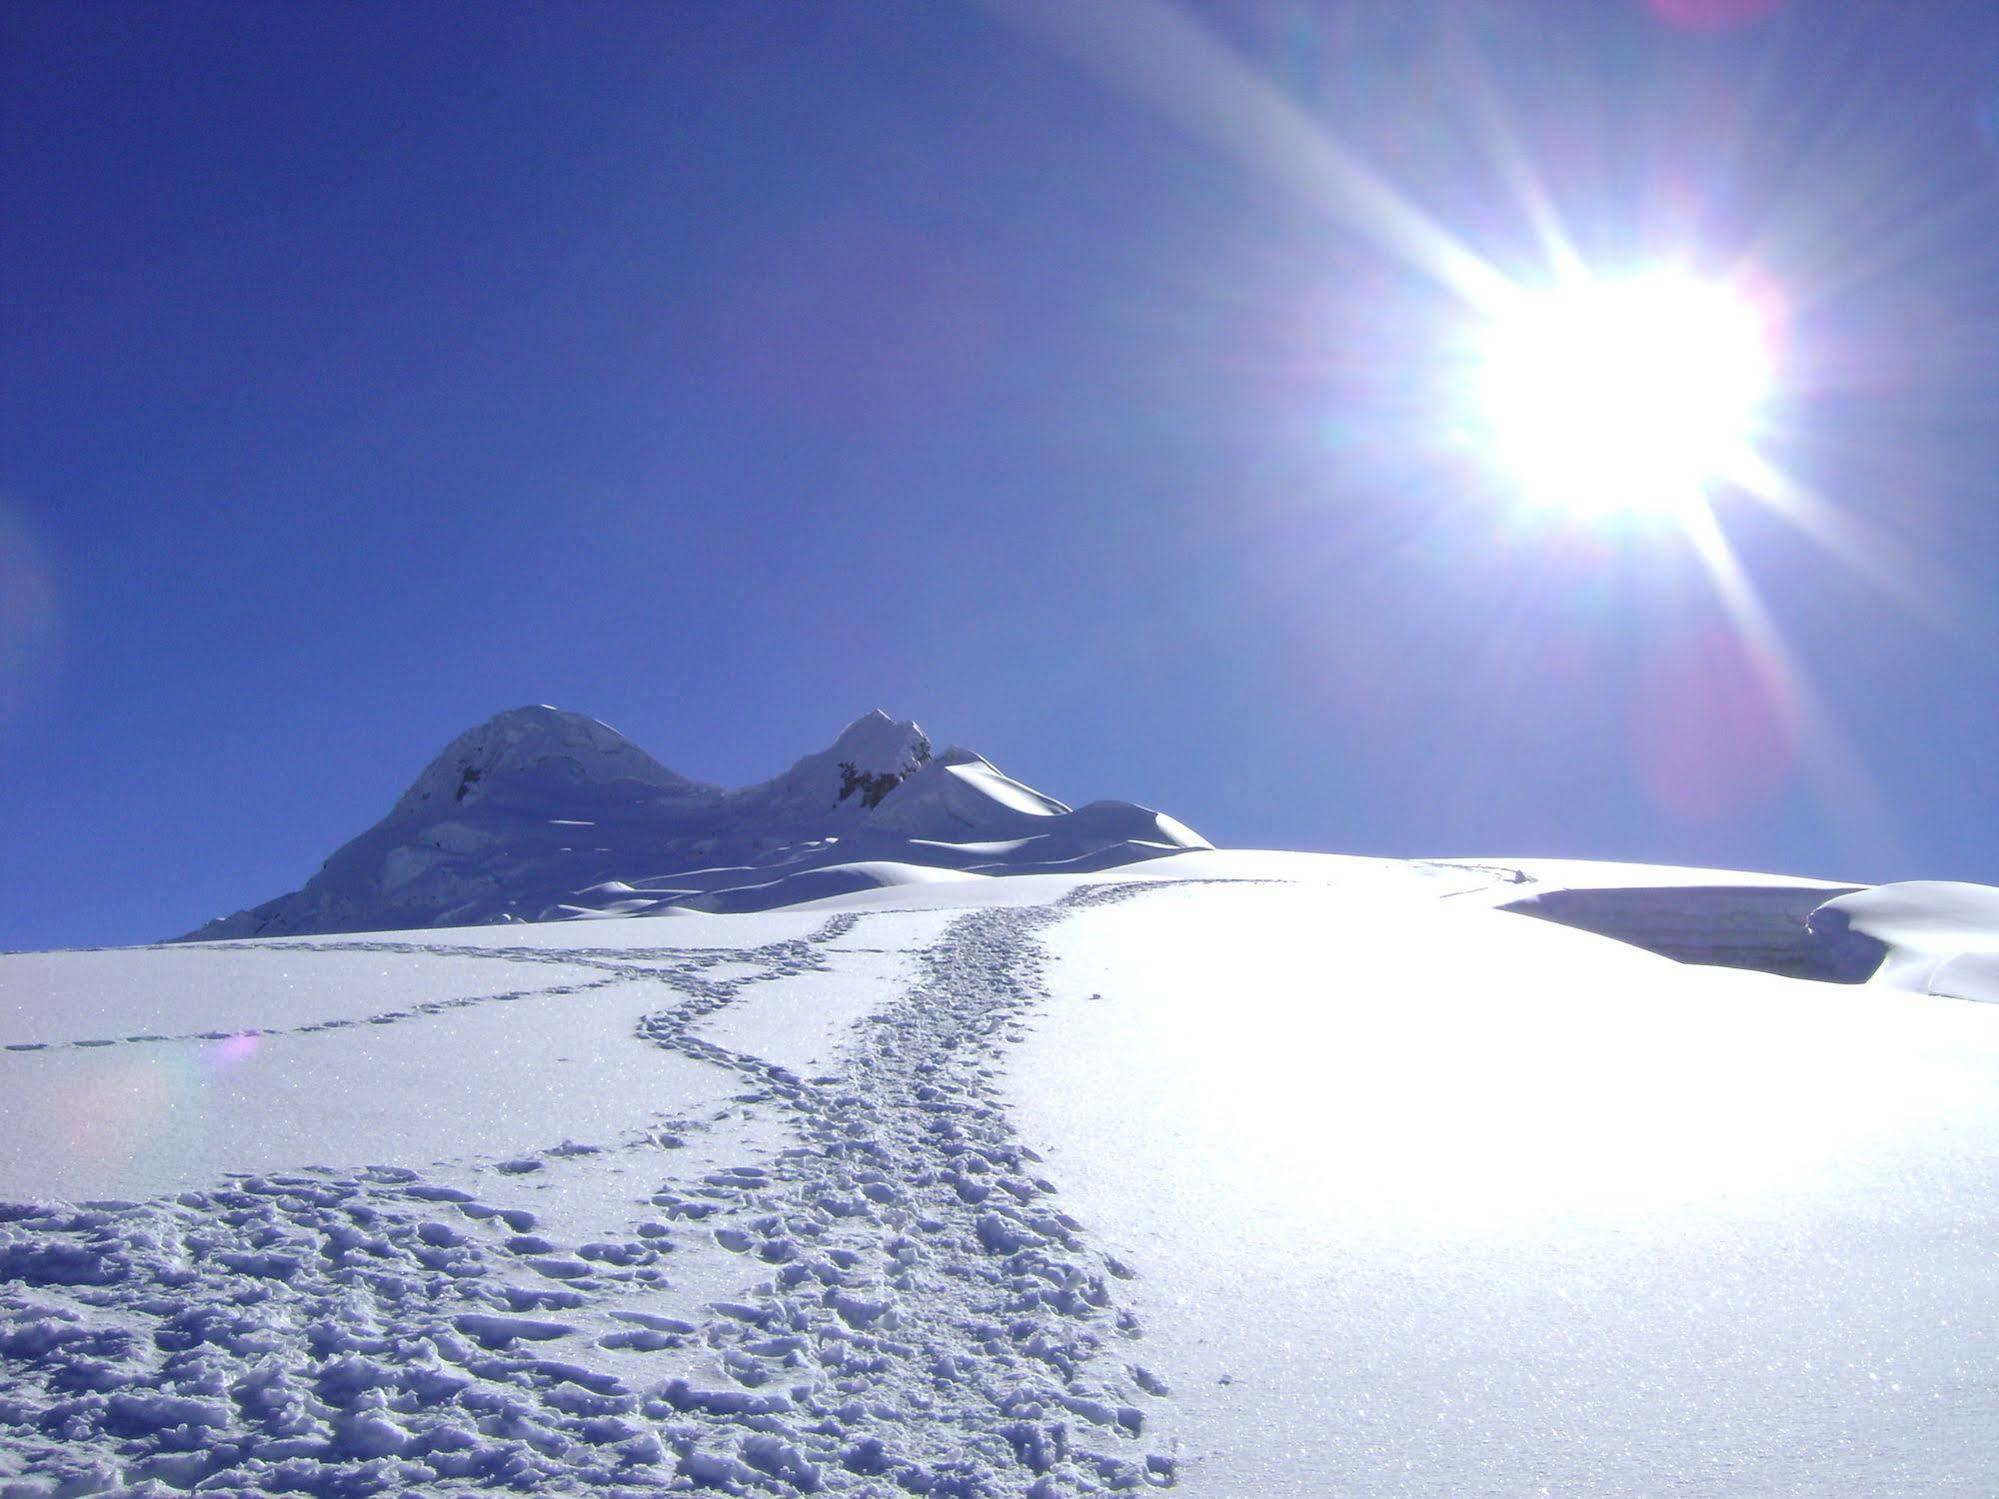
(1928, 936)
(1238, 1172)
(538, 814)
(1454, 1203)
(1740, 921)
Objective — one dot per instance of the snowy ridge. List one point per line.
(1937, 937)
(1927, 936)
(539, 814)
(1767, 928)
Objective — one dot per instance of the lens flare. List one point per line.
(1710, 15)
(232, 1049)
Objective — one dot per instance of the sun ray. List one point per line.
(1608, 393)
(1156, 53)
(1516, 167)
(1838, 779)
(1869, 551)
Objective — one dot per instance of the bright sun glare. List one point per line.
(1618, 397)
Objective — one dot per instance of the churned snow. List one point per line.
(1232, 1172)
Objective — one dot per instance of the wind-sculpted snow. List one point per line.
(543, 815)
(916, 1314)
(1927, 936)
(1731, 926)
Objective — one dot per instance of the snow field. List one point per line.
(907, 1310)
(217, 990)
(1364, 1187)
(137, 1121)
(1430, 1199)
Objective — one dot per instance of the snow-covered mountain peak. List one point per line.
(876, 744)
(560, 750)
(873, 755)
(538, 814)
(958, 792)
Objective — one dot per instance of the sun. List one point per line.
(1636, 396)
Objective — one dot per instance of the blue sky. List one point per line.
(726, 370)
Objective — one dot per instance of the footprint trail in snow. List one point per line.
(917, 1314)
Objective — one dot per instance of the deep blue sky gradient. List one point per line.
(726, 370)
